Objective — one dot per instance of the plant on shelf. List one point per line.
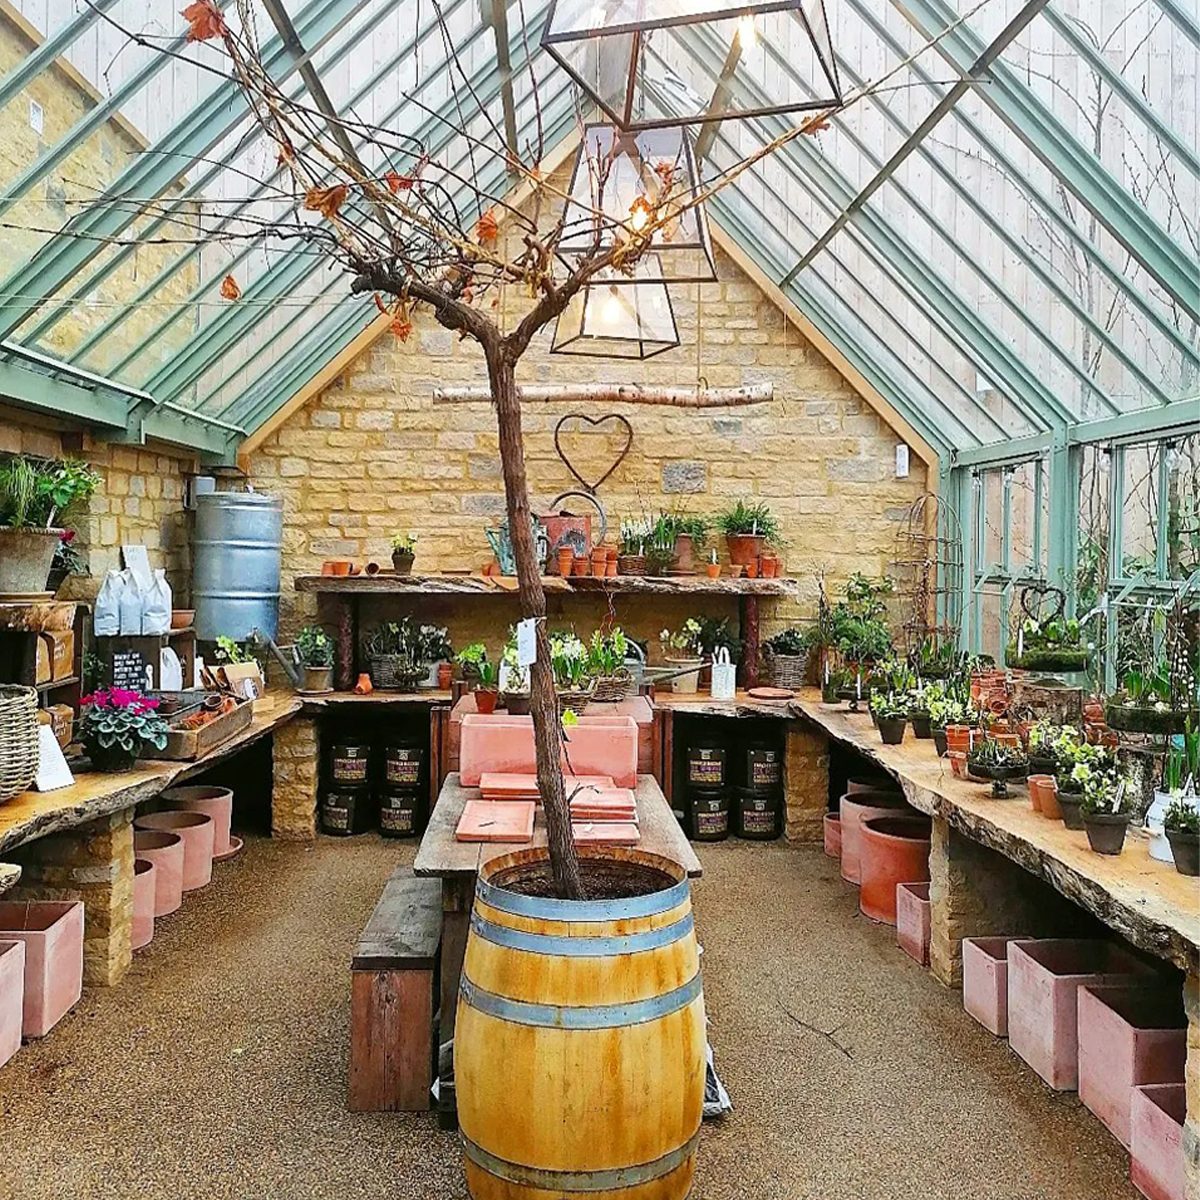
(890, 710)
(404, 551)
(606, 663)
(117, 726)
(683, 644)
(1055, 644)
(787, 654)
(936, 658)
(36, 496)
(992, 760)
(513, 679)
(476, 666)
(837, 682)
(949, 710)
(691, 534)
(435, 652)
(1182, 826)
(229, 651)
(1044, 738)
(314, 652)
(571, 666)
(746, 528)
(924, 697)
(858, 623)
(660, 545)
(394, 652)
(1105, 809)
(1145, 702)
(635, 534)
(715, 634)
(1078, 763)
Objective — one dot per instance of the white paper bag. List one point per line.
(156, 605)
(107, 618)
(131, 606)
(724, 676)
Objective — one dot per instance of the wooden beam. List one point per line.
(618, 393)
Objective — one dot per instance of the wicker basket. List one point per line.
(788, 670)
(395, 672)
(18, 740)
(612, 689)
(576, 699)
(631, 564)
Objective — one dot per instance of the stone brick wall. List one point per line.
(371, 455)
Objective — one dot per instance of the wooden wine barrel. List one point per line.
(579, 1044)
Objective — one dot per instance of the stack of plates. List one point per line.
(498, 785)
(605, 804)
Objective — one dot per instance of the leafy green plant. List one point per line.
(433, 644)
(793, 642)
(949, 710)
(890, 706)
(569, 661)
(606, 652)
(314, 648)
(1105, 795)
(693, 526)
(404, 544)
(715, 634)
(118, 724)
(684, 642)
(742, 519)
(34, 493)
(992, 755)
(517, 676)
(474, 661)
(229, 651)
(1182, 817)
(1080, 762)
(401, 638)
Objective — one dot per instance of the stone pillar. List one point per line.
(296, 761)
(976, 892)
(93, 863)
(1191, 1126)
(805, 782)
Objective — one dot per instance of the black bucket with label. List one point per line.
(346, 811)
(403, 766)
(400, 812)
(764, 767)
(708, 815)
(758, 816)
(350, 764)
(706, 765)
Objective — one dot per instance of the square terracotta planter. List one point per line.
(985, 981)
(1156, 1140)
(53, 935)
(912, 920)
(1044, 978)
(12, 995)
(1127, 1036)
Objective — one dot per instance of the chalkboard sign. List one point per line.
(127, 669)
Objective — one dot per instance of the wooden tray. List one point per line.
(186, 745)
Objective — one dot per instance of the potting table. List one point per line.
(457, 864)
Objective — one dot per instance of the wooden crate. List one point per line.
(186, 745)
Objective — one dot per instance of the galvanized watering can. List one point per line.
(566, 529)
(501, 542)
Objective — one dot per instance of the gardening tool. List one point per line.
(501, 543)
(290, 669)
(566, 529)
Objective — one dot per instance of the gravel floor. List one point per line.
(217, 1069)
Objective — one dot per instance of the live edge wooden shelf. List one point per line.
(348, 589)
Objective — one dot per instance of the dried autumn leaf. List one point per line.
(397, 182)
(402, 327)
(817, 126)
(379, 304)
(205, 20)
(230, 289)
(286, 154)
(326, 201)
(487, 228)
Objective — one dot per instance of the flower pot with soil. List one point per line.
(998, 763)
(314, 653)
(404, 553)
(890, 710)
(118, 726)
(1105, 810)
(922, 724)
(543, 1054)
(746, 528)
(1182, 827)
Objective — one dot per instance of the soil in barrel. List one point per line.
(603, 879)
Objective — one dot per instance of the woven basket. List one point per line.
(788, 670)
(612, 689)
(18, 740)
(395, 672)
(576, 699)
(631, 564)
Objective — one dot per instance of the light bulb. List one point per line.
(747, 34)
(610, 311)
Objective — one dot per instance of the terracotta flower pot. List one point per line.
(833, 835)
(165, 851)
(712, 570)
(913, 920)
(485, 700)
(958, 763)
(744, 547)
(581, 566)
(214, 802)
(610, 568)
(1157, 1114)
(1106, 831)
(1035, 784)
(769, 566)
(12, 997)
(196, 831)
(599, 561)
(752, 569)
(958, 737)
(685, 553)
(143, 903)
(856, 807)
(894, 850)
(445, 676)
(52, 931)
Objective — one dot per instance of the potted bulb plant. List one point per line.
(635, 536)
(574, 683)
(924, 698)
(787, 655)
(35, 496)
(993, 761)
(746, 527)
(1078, 763)
(1182, 826)
(1105, 809)
(434, 652)
(890, 710)
(691, 532)
(514, 679)
(404, 551)
(1180, 774)
(117, 727)
(1144, 703)
(684, 654)
(314, 652)
(475, 664)
(606, 662)
(394, 653)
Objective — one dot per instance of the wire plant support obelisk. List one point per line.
(927, 574)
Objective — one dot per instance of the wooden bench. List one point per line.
(393, 981)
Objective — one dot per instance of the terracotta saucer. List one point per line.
(770, 693)
(235, 848)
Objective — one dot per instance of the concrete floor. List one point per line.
(217, 1069)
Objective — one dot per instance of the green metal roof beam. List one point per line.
(1145, 239)
(153, 171)
(29, 388)
(64, 306)
(1182, 19)
(44, 56)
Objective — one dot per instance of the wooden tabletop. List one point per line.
(440, 854)
(386, 583)
(96, 794)
(703, 705)
(1146, 901)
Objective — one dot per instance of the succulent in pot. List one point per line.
(890, 710)
(992, 760)
(314, 652)
(746, 528)
(117, 727)
(404, 552)
(1105, 809)
(1182, 826)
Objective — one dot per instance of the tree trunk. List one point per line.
(547, 729)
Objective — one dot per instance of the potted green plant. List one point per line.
(993, 761)
(1180, 775)
(1182, 826)
(683, 653)
(606, 662)
(787, 654)
(393, 652)
(858, 623)
(434, 652)
(691, 533)
(1052, 645)
(404, 551)
(936, 659)
(1105, 809)
(570, 663)
(117, 726)
(890, 710)
(314, 652)
(746, 527)
(944, 710)
(659, 547)
(924, 698)
(1043, 739)
(1079, 763)
(1146, 702)
(635, 534)
(476, 665)
(35, 496)
(514, 679)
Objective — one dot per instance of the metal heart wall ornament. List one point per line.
(594, 423)
(1043, 603)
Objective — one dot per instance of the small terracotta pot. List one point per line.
(485, 700)
(743, 546)
(582, 566)
(566, 560)
(445, 676)
(958, 763)
(1035, 783)
(735, 570)
(196, 831)
(1010, 741)
(143, 903)
(610, 568)
(958, 737)
(1051, 809)
(712, 570)
(611, 552)
(769, 567)
(339, 567)
(752, 569)
(363, 685)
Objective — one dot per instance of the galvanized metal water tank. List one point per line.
(235, 564)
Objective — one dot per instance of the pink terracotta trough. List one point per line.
(985, 981)
(598, 746)
(1044, 978)
(143, 903)
(1127, 1036)
(52, 931)
(165, 851)
(833, 835)
(12, 996)
(214, 802)
(912, 920)
(1156, 1140)
(196, 830)
(855, 808)
(894, 850)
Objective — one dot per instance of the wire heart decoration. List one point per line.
(594, 423)
(1034, 599)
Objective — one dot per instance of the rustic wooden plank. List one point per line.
(703, 705)
(387, 584)
(391, 1040)
(404, 930)
(318, 704)
(1145, 901)
(10, 876)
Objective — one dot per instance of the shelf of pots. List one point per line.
(37, 496)
(751, 532)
